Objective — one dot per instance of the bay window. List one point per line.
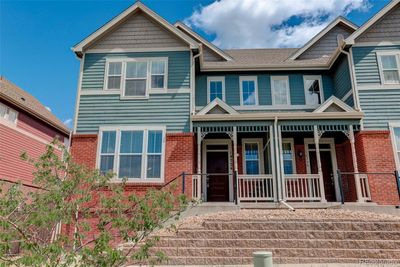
(135, 153)
(389, 67)
(135, 77)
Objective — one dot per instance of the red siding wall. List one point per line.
(36, 127)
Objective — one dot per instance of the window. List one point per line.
(252, 156)
(135, 76)
(135, 153)
(248, 90)
(216, 88)
(280, 90)
(289, 163)
(313, 90)
(389, 67)
(395, 129)
(8, 114)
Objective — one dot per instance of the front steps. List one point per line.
(306, 240)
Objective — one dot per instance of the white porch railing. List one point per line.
(256, 187)
(302, 187)
(196, 186)
(364, 184)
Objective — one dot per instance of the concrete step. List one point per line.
(288, 234)
(304, 225)
(280, 243)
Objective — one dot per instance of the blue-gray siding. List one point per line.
(366, 64)
(232, 89)
(341, 79)
(171, 110)
(178, 68)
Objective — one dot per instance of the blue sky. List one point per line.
(36, 36)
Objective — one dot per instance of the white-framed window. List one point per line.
(313, 91)
(288, 156)
(253, 159)
(389, 67)
(215, 88)
(395, 132)
(135, 77)
(280, 90)
(8, 113)
(135, 153)
(248, 90)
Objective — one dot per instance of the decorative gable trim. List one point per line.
(351, 39)
(193, 34)
(332, 101)
(316, 38)
(78, 49)
(217, 103)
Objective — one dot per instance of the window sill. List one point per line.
(134, 97)
(138, 181)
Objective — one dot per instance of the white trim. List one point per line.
(396, 54)
(291, 142)
(381, 43)
(202, 40)
(333, 100)
(204, 162)
(259, 142)
(280, 78)
(248, 78)
(321, 87)
(214, 103)
(351, 39)
(347, 95)
(396, 149)
(378, 86)
(322, 33)
(137, 6)
(153, 91)
(137, 50)
(270, 107)
(215, 79)
(332, 149)
(354, 84)
(78, 92)
(145, 129)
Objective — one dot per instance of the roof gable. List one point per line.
(333, 104)
(327, 37)
(217, 106)
(375, 19)
(115, 22)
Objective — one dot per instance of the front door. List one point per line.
(327, 172)
(218, 178)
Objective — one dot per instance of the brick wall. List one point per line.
(375, 154)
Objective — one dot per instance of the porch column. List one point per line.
(272, 155)
(199, 176)
(317, 136)
(355, 164)
(281, 171)
(235, 163)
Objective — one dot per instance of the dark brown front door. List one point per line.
(327, 172)
(218, 185)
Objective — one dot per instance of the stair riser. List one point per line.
(230, 234)
(322, 226)
(282, 243)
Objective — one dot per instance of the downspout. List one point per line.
(193, 82)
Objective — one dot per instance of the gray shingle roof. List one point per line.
(29, 103)
(268, 58)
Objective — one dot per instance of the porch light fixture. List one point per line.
(300, 154)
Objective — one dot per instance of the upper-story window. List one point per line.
(248, 90)
(8, 113)
(132, 152)
(136, 76)
(313, 90)
(389, 67)
(215, 88)
(280, 90)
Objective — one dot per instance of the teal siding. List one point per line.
(171, 110)
(232, 89)
(366, 64)
(342, 79)
(380, 106)
(178, 68)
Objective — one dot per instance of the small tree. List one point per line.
(79, 217)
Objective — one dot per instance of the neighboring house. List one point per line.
(25, 126)
(155, 100)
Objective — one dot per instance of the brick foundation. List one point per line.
(375, 154)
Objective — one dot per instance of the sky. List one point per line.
(36, 36)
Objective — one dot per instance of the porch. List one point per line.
(275, 161)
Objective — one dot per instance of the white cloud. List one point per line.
(263, 23)
(68, 123)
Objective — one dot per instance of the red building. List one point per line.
(25, 126)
